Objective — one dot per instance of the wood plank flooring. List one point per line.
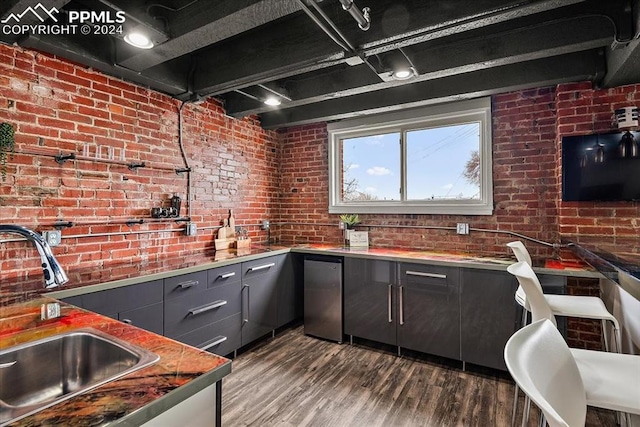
(296, 380)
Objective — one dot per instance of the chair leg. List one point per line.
(605, 334)
(525, 411)
(515, 405)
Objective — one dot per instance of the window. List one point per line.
(433, 160)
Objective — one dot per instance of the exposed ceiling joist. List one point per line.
(206, 23)
(480, 52)
(580, 66)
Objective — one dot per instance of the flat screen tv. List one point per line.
(603, 167)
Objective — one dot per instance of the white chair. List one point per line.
(541, 364)
(611, 380)
(585, 307)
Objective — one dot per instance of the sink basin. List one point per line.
(41, 373)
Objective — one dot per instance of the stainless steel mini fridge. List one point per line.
(323, 297)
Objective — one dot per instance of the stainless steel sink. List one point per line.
(39, 374)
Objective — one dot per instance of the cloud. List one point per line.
(378, 171)
(353, 166)
(370, 190)
(447, 187)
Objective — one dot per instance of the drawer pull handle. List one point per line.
(8, 364)
(245, 319)
(401, 292)
(421, 274)
(389, 303)
(262, 267)
(217, 340)
(206, 308)
(127, 321)
(188, 284)
(227, 275)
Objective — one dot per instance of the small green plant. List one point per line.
(7, 145)
(350, 220)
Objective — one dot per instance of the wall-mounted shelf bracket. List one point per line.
(134, 166)
(133, 222)
(63, 224)
(61, 158)
(182, 170)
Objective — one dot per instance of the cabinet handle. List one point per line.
(227, 275)
(419, 273)
(262, 267)
(401, 290)
(206, 308)
(188, 284)
(127, 321)
(217, 340)
(246, 320)
(389, 303)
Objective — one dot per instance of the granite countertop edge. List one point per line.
(420, 257)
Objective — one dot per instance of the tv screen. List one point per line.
(604, 167)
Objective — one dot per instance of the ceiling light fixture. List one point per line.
(138, 40)
(273, 101)
(403, 73)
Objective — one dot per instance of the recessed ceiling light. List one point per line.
(403, 74)
(138, 40)
(272, 100)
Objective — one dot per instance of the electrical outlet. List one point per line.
(341, 225)
(49, 311)
(462, 228)
(265, 224)
(52, 237)
(191, 229)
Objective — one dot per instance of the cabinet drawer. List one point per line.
(200, 308)
(260, 267)
(113, 301)
(437, 278)
(225, 332)
(223, 275)
(149, 317)
(185, 284)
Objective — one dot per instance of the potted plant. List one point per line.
(7, 145)
(350, 220)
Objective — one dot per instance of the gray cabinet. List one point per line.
(259, 297)
(219, 309)
(370, 300)
(489, 315)
(429, 309)
(203, 309)
(290, 291)
(139, 305)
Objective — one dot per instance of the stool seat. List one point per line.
(579, 306)
(611, 380)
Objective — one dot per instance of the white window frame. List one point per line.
(476, 110)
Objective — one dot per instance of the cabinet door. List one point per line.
(148, 317)
(370, 299)
(259, 298)
(489, 315)
(429, 313)
(290, 292)
(110, 302)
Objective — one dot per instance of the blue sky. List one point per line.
(436, 160)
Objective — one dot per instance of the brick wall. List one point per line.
(583, 110)
(524, 175)
(57, 106)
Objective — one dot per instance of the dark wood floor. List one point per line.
(295, 380)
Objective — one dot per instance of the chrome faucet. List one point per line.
(54, 275)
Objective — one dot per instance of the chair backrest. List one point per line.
(542, 365)
(535, 297)
(520, 251)
(522, 254)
